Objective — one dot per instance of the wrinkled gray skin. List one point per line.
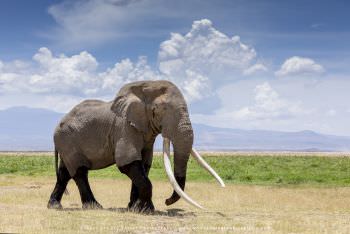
(97, 134)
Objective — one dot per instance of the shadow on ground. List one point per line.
(168, 212)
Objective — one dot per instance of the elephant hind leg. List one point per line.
(63, 178)
(86, 195)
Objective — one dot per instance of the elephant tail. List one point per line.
(56, 162)
(56, 168)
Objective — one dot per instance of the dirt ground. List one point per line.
(236, 208)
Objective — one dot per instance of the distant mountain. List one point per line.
(211, 138)
(23, 128)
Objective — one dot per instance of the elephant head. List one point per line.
(158, 107)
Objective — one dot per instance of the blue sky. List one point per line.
(276, 28)
(279, 65)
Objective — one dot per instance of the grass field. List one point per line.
(263, 195)
(256, 170)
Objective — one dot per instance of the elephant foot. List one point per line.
(131, 204)
(54, 204)
(94, 205)
(145, 207)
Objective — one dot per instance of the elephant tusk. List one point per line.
(206, 166)
(170, 174)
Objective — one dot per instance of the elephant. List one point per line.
(97, 134)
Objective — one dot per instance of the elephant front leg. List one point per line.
(134, 194)
(141, 191)
(147, 157)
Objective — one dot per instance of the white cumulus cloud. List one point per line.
(198, 62)
(75, 75)
(62, 74)
(204, 58)
(60, 81)
(256, 68)
(296, 66)
(268, 105)
(126, 71)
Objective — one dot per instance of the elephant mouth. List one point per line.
(171, 177)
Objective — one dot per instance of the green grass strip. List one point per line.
(259, 170)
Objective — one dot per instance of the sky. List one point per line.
(272, 65)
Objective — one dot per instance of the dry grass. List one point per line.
(241, 209)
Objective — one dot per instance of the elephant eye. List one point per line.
(182, 108)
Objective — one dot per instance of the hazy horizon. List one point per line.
(20, 132)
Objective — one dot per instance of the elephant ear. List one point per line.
(133, 109)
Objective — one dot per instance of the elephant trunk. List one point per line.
(182, 140)
(180, 133)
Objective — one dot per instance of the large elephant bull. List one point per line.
(97, 134)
